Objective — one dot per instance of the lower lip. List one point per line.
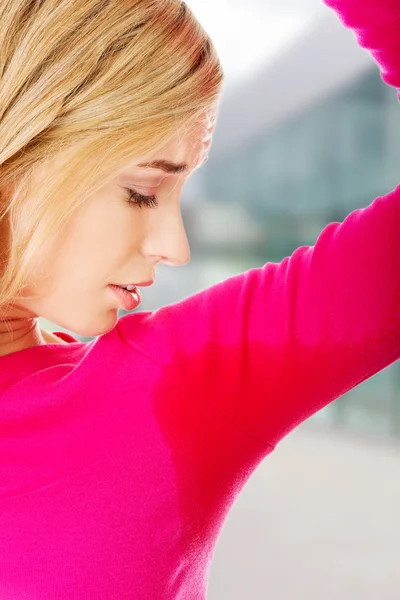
(128, 300)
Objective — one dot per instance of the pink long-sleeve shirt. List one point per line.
(120, 458)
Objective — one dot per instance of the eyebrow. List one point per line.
(165, 165)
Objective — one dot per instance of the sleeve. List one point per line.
(270, 347)
(376, 24)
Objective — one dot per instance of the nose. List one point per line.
(168, 242)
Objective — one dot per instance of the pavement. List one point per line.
(318, 520)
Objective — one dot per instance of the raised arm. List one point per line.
(270, 347)
(376, 24)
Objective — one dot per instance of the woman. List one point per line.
(120, 458)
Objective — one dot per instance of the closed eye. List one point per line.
(135, 199)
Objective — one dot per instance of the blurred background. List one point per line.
(307, 133)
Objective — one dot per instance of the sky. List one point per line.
(248, 33)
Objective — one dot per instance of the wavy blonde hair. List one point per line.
(93, 84)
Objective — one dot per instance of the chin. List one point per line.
(90, 327)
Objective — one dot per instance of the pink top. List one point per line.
(120, 458)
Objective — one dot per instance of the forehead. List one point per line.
(192, 142)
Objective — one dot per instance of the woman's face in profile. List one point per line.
(108, 241)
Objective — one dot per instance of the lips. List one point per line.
(142, 284)
(128, 299)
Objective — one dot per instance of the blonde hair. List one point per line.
(93, 84)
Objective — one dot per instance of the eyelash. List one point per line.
(139, 200)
